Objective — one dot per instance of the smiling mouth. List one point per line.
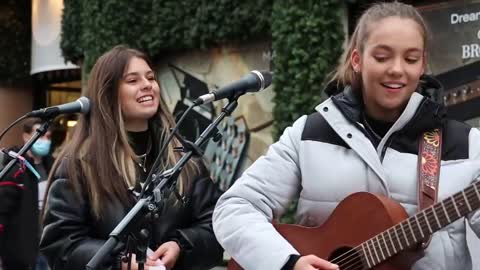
(144, 99)
(393, 86)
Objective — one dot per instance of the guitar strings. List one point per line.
(354, 255)
(450, 210)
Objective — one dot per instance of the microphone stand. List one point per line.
(38, 133)
(132, 226)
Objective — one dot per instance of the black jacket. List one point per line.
(72, 235)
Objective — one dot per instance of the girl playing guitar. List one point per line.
(364, 138)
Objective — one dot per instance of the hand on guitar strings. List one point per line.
(312, 262)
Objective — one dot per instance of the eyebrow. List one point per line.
(385, 47)
(137, 73)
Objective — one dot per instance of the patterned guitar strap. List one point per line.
(429, 158)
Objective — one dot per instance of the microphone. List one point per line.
(252, 82)
(81, 105)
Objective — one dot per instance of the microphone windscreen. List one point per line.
(267, 76)
(85, 104)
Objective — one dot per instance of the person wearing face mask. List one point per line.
(39, 155)
(365, 138)
(22, 214)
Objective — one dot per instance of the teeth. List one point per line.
(145, 98)
(393, 85)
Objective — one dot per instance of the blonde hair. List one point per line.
(344, 74)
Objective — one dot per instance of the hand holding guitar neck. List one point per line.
(312, 262)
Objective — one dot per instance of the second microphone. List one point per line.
(252, 82)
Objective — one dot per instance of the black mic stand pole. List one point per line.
(38, 133)
(149, 206)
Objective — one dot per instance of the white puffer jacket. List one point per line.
(327, 156)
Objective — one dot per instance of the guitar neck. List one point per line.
(420, 226)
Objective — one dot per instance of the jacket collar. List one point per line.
(427, 114)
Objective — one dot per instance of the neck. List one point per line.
(36, 160)
(383, 114)
(136, 126)
(377, 128)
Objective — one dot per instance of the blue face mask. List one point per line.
(41, 147)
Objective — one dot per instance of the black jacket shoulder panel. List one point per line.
(317, 129)
(455, 140)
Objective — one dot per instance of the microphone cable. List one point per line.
(12, 125)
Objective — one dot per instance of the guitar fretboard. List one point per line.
(418, 227)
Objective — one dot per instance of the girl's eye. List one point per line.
(412, 60)
(380, 59)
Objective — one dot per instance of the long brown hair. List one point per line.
(344, 73)
(99, 159)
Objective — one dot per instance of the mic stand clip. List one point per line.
(39, 132)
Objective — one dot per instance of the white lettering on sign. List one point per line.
(464, 18)
(470, 51)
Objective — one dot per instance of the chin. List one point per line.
(150, 115)
(394, 104)
(147, 115)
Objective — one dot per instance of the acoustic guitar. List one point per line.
(366, 230)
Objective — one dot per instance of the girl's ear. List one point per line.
(355, 60)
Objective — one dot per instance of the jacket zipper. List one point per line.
(387, 144)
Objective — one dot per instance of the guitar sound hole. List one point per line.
(347, 258)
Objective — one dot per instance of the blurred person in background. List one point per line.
(40, 157)
(23, 187)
